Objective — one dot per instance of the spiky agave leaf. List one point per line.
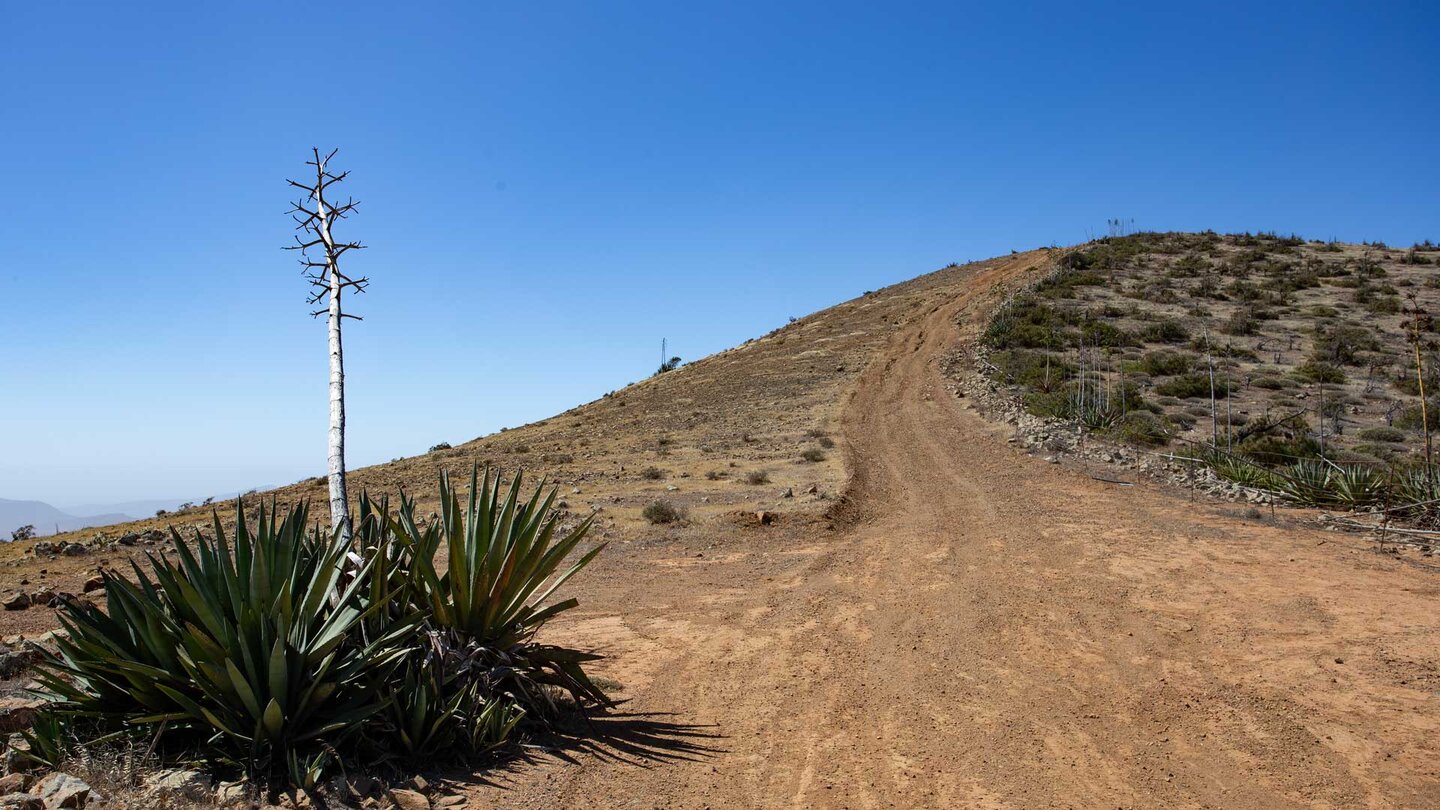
(250, 651)
(506, 558)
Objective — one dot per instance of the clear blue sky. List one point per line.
(551, 188)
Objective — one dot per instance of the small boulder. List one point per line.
(21, 801)
(409, 799)
(61, 790)
(788, 493)
(15, 783)
(180, 783)
(19, 601)
(94, 583)
(17, 713)
(765, 518)
(43, 547)
(14, 662)
(74, 550)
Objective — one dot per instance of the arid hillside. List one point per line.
(868, 597)
(744, 431)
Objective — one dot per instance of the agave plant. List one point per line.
(1241, 471)
(1306, 482)
(1356, 485)
(506, 558)
(251, 654)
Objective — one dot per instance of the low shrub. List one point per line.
(1382, 434)
(813, 455)
(1162, 363)
(652, 474)
(1318, 371)
(1040, 370)
(1165, 331)
(757, 477)
(1193, 385)
(1142, 428)
(661, 512)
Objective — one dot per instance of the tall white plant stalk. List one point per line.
(316, 216)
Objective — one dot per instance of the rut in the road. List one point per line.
(983, 629)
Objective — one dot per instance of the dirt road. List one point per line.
(982, 629)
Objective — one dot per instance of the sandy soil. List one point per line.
(977, 628)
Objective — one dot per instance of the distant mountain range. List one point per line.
(47, 519)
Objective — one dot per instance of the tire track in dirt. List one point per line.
(987, 630)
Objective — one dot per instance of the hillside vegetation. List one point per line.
(1275, 350)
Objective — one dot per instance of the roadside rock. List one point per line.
(17, 713)
(74, 550)
(94, 583)
(61, 790)
(20, 601)
(15, 783)
(409, 800)
(21, 801)
(181, 783)
(14, 662)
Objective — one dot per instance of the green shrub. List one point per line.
(1193, 385)
(1320, 372)
(1162, 363)
(1100, 333)
(1272, 383)
(1272, 450)
(660, 512)
(1166, 331)
(1142, 428)
(1033, 369)
(1382, 434)
(1028, 323)
(1411, 417)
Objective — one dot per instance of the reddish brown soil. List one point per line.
(983, 629)
(967, 626)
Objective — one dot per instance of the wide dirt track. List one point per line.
(975, 627)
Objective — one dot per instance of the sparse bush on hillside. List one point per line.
(437, 447)
(1190, 386)
(757, 477)
(813, 455)
(1165, 331)
(1142, 428)
(25, 532)
(1320, 372)
(652, 474)
(1382, 434)
(1162, 363)
(661, 512)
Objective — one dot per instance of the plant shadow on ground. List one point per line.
(642, 739)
